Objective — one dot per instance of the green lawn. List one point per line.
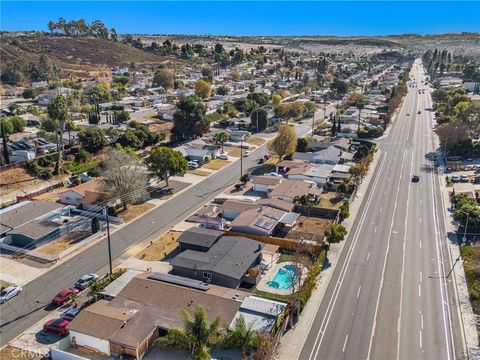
(76, 168)
(267, 295)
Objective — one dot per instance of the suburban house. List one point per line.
(238, 135)
(261, 314)
(147, 307)
(288, 190)
(265, 183)
(231, 208)
(308, 172)
(330, 155)
(343, 144)
(263, 221)
(22, 213)
(85, 195)
(228, 262)
(199, 152)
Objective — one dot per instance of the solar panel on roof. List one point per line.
(178, 280)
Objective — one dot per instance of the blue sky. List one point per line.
(342, 18)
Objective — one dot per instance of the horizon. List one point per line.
(252, 19)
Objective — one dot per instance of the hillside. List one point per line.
(84, 56)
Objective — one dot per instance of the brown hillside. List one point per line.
(85, 56)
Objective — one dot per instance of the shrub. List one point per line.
(95, 225)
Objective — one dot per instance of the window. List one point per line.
(207, 275)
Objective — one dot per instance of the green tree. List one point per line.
(276, 99)
(13, 73)
(284, 143)
(339, 86)
(6, 154)
(342, 188)
(259, 119)
(122, 116)
(101, 93)
(223, 90)
(57, 110)
(163, 77)
(47, 71)
(335, 233)
(189, 119)
(203, 89)
(164, 162)
(241, 337)
(92, 139)
(196, 337)
(95, 225)
(220, 138)
(344, 211)
(18, 123)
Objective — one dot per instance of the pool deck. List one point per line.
(272, 271)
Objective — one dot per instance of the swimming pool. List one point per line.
(284, 278)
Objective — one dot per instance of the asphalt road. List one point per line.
(388, 297)
(33, 303)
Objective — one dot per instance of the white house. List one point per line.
(265, 183)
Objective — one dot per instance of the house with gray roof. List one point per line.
(198, 239)
(230, 261)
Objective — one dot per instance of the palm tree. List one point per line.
(221, 138)
(196, 337)
(57, 110)
(359, 103)
(242, 337)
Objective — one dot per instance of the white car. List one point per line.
(192, 164)
(223, 157)
(9, 293)
(246, 153)
(85, 280)
(455, 178)
(274, 174)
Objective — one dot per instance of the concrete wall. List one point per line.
(101, 345)
(57, 354)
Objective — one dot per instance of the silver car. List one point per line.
(85, 280)
(9, 293)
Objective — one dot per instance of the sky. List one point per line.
(341, 18)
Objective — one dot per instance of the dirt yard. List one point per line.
(160, 248)
(310, 228)
(331, 200)
(471, 264)
(256, 141)
(16, 179)
(62, 243)
(134, 211)
(216, 164)
(4, 284)
(200, 172)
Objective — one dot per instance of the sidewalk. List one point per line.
(292, 342)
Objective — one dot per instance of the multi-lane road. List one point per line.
(389, 297)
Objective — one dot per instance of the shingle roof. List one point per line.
(200, 236)
(292, 188)
(35, 229)
(230, 256)
(25, 213)
(266, 180)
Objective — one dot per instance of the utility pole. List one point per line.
(241, 159)
(108, 240)
(257, 122)
(313, 121)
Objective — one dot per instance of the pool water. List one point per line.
(284, 278)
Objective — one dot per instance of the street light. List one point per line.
(241, 159)
(105, 212)
(464, 239)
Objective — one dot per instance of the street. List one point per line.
(388, 297)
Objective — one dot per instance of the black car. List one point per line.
(260, 160)
(415, 178)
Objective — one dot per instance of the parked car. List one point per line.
(419, 112)
(64, 295)
(455, 178)
(56, 326)
(464, 179)
(415, 178)
(85, 280)
(274, 174)
(246, 153)
(193, 164)
(223, 157)
(70, 314)
(9, 292)
(260, 160)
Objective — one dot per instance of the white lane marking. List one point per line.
(403, 264)
(385, 193)
(375, 230)
(368, 255)
(420, 243)
(420, 220)
(421, 320)
(419, 290)
(345, 343)
(386, 256)
(421, 344)
(358, 292)
(420, 201)
(420, 276)
(381, 208)
(336, 291)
